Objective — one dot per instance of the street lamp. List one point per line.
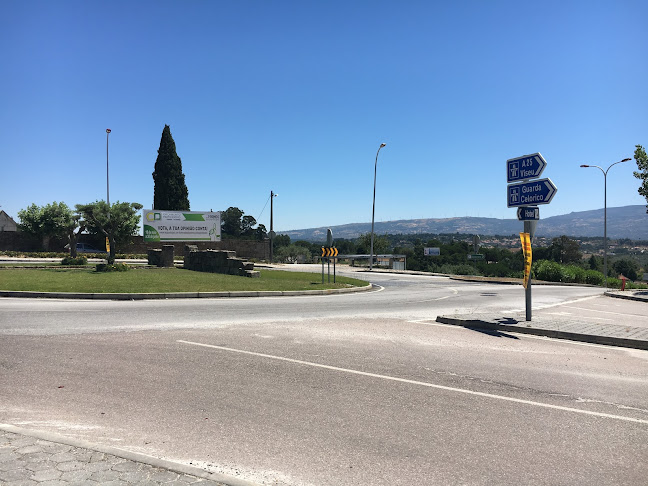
(605, 212)
(107, 182)
(373, 210)
(272, 233)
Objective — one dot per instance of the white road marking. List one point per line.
(419, 383)
(604, 312)
(571, 314)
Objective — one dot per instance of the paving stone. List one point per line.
(26, 482)
(97, 456)
(135, 476)
(40, 465)
(63, 457)
(164, 476)
(23, 442)
(98, 466)
(53, 447)
(126, 466)
(46, 475)
(30, 449)
(15, 475)
(6, 457)
(70, 466)
(103, 476)
(75, 476)
(13, 465)
(35, 457)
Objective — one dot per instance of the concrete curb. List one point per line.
(523, 329)
(626, 295)
(183, 295)
(128, 455)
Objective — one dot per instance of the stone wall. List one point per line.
(259, 250)
(217, 261)
(249, 249)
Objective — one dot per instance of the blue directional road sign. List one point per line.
(528, 213)
(530, 193)
(525, 167)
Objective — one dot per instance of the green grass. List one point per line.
(145, 280)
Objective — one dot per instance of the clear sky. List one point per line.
(296, 96)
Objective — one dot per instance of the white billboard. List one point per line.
(162, 225)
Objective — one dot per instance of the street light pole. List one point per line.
(605, 172)
(272, 234)
(373, 210)
(107, 179)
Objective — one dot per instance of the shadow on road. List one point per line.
(493, 332)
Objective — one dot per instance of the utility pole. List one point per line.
(272, 233)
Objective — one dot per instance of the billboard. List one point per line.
(163, 225)
(431, 251)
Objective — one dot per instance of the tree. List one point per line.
(381, 244)
(235, 225)
(117, 223)
(50, 221)
(565, 250)
(642, 164)
(231, 222)
(626, 267)
(169, 190)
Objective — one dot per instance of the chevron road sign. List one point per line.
(531, 193)
(525, 167)
(329, 252)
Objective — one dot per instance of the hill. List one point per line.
(622, 222)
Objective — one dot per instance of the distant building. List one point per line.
(7, 223)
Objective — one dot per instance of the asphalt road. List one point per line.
(334, 390)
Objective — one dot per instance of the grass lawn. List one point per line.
(160, 280)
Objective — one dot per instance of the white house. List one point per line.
(6, 222)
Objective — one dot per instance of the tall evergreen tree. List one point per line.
(169, 191)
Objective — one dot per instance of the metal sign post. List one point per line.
(525, 194)
(526, 251)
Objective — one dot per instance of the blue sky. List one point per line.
(296, 97)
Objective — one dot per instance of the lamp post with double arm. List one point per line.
(605, 271)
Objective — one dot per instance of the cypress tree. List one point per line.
(169, 191)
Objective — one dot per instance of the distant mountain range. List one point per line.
(624, 222)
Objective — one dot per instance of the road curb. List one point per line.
(128, 455)
(626, 296)
(524, 328)
(182, 295)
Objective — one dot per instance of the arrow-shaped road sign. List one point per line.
(525, 167)
(531, 193)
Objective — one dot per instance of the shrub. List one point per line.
(114, 267)
(593, 277)
(573, 274)
(80, 260)
(548, 271)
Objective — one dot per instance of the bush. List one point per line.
(548, 271)
(593, 277)
(573, 274)
(114, 267)
(80, 260)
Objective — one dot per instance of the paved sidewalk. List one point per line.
(561, 327)
(27, 459)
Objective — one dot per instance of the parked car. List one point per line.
(85, 248)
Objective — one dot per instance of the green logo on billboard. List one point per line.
(193, 217)
(150, 233)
